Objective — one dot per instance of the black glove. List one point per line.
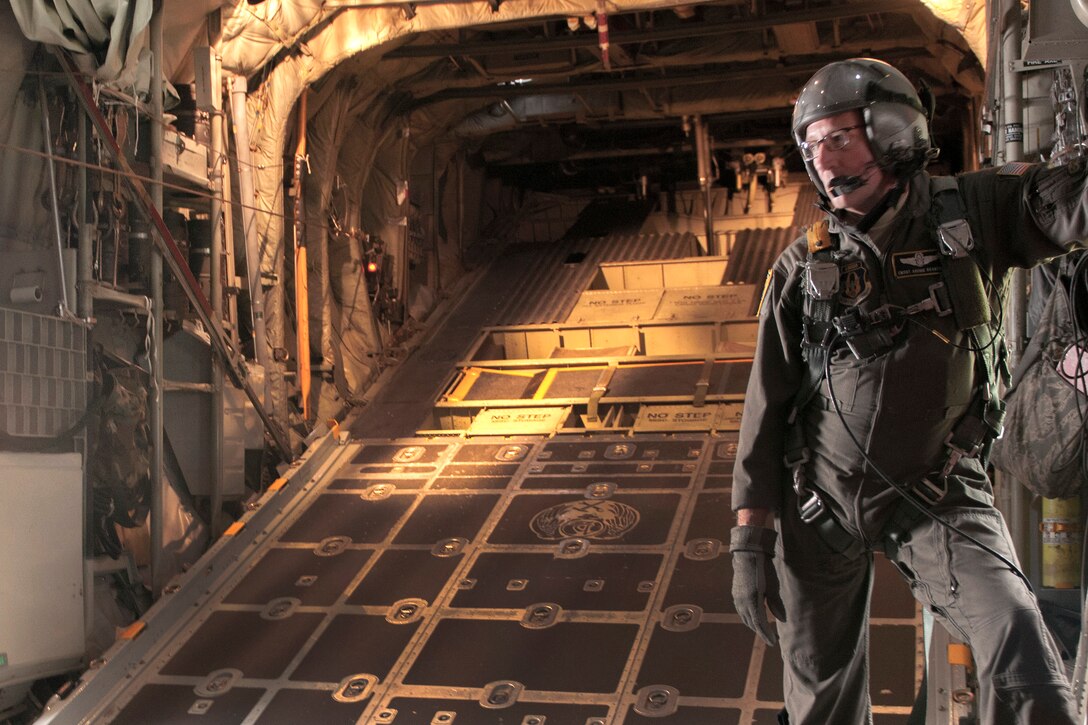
(754, 579)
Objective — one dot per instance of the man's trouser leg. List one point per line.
(825, 638)
(978, 598)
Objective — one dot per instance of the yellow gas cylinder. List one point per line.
(1061, 543)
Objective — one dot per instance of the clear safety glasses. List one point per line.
(837, 140)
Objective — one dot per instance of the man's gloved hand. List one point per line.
(754, 579)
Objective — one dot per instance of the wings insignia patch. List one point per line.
(920, 263)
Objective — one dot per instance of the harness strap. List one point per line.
(821, 304)
(961, 287)
(975, 431)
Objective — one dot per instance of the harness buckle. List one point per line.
(955, 238)
(850, 323)
(821, 279)
(825, 337)
(810, 505)
(929, 492)
(942, 305)
(956, 453)
(797, 457)
(938, 301)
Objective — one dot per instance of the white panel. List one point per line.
(41, 564)
(723, 302)
(615, 306)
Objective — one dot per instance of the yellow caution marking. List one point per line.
(133, 630)
(532, 372)
(763, 295)
(959, 654)
(464, 385)
(334, 427)
(549, 378)
(234, 528)
(278, 484)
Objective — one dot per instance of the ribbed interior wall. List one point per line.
(43, 380)
(805, 211)
(551, 286)
(754, 251)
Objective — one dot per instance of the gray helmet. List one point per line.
(895, 120)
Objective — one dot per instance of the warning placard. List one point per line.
(675, 417)
(721, 416)
(615, 305)
(721, 302)
(518, 421)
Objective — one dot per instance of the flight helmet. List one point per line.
(896, 122)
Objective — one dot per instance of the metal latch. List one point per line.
(281, 608)
(657, 701)
(682, 618)
(821, 279)
(355, 688)
(406, 611)
(812, 507)
(619, 451)
(600, 490)
(540, 616)
(332, 546)
(512, 452)
(449, 547)
(409, 454)
(573, 548)
(702, 549)
(218, 683)
(955, 238)
(497, 695)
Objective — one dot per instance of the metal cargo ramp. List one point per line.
(492, 580)
(458, 577)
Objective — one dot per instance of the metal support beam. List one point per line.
(158, 513)
(177, 262)
(1016, 506)
(683, 32)
(47, 142)
(639, 83)
(249, 219)
(85, 254)
(702, 160)
(217, 172)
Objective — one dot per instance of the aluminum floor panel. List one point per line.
(586, 601)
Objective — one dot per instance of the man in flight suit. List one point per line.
(872, 403)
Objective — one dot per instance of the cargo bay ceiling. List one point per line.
(586, 95)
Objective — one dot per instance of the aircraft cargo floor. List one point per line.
(566, 579)
(490, 581)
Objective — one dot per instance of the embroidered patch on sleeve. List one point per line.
(1014, 168)
(920, 263)
(763, 295)
(854, 283)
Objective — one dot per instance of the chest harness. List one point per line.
(826, 319)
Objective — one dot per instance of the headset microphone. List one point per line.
(841, 185)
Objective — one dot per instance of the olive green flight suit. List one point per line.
(900, 404)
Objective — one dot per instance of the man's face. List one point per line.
(854, 159)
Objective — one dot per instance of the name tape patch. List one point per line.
(920, 263)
